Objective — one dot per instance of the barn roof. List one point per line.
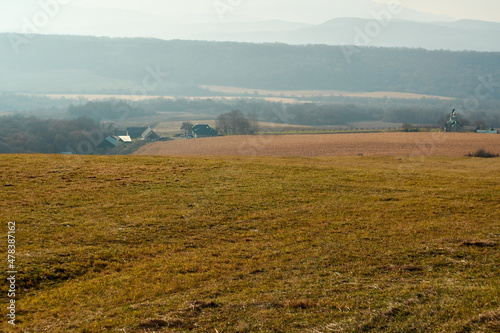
(136, 130)
(204, 129)
(125, 138)
(108, 142)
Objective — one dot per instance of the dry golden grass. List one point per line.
(367, 144)
(238, 244)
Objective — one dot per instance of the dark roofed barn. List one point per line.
(204, 131)
(150, 135)
(145, 133)
(136, 132)
(121, 132)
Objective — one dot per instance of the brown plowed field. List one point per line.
(378, 144)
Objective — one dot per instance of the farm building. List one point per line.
(203, 131)
(124, 139)
(136, 132)
(150, 135)
(145, 133)
(119, 132)
(490, 131)
(109, 142)
(453, 125)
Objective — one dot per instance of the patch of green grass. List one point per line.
(179, 244)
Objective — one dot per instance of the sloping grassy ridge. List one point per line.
(180, 244)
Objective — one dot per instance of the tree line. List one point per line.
(337, 110)
(20, 134)
(119, 63)
(236, 123)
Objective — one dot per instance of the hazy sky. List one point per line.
(486, 10)
(122, 17)
(311, 11)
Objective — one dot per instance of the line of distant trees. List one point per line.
(329, 110)
(26, 134)
(20, 134)
(235, 123)
(332, 111)
(64, 60)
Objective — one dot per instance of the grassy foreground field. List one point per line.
(195, 244)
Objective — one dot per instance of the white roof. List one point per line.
(125, 138)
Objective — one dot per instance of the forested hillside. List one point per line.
(34, 135)
(69, 64)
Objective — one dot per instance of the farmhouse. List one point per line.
(119, 132)
(136, 132)
(150, 135)
(145, 133)
(203, 131)
(453, 125)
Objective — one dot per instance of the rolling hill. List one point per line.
(77, 64)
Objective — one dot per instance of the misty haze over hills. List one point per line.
(368, 46)
(136, 21)
(342, 22)
(456, 36)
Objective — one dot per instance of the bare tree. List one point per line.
(187, 127)
(234, 122)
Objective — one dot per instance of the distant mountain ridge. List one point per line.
(456, 36)
(355, 21)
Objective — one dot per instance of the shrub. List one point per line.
(483, 153)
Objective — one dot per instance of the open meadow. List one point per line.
(320, 93)
(312, 145)
(252, 244)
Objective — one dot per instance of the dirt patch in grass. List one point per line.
(479, 243)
